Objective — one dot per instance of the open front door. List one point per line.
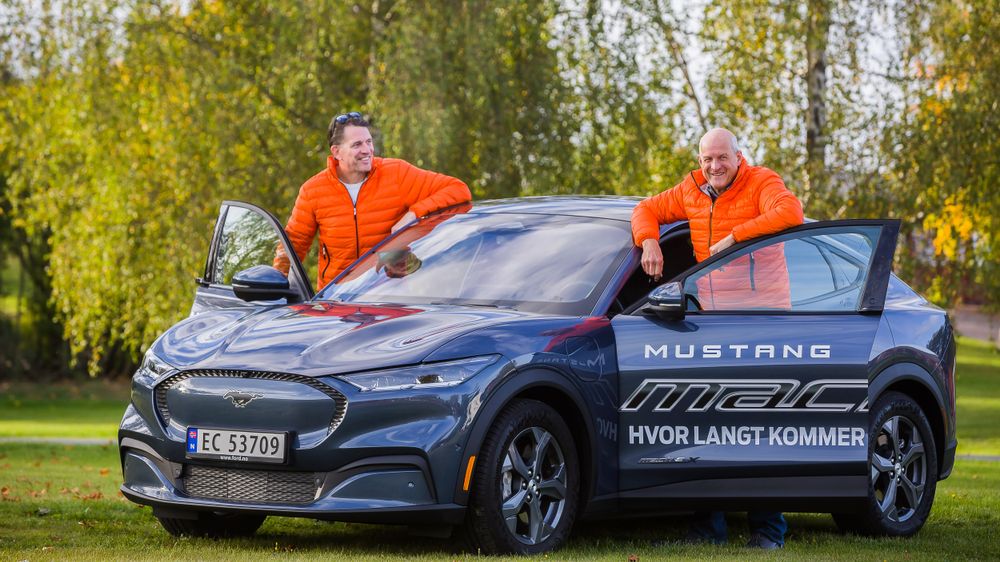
(245, 236)
(760, 391)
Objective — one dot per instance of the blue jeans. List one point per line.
(712, 525)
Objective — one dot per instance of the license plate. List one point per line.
(242, 446)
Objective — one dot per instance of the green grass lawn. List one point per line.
(977, 382)
(86, 409)
(62, 502)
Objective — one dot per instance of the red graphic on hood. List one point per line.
(363, 315)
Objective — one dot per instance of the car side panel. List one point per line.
(575, 357)
(777, 406)
(925, 340)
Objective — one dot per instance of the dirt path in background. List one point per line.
(972, 322)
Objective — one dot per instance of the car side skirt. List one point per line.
(802, 493)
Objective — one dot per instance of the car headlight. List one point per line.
(432, 375)
(152, 368)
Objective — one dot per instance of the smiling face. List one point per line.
(354, 154)
(719, 158)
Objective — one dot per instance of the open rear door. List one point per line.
(245, 236)
(761, 390)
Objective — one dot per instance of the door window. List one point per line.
(820, 270)
(247, 239)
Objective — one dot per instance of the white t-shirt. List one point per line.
(354, 189)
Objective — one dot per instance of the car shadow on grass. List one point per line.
(630, 534)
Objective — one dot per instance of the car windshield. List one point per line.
(537, 263)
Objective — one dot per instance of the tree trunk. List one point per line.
(817, 37)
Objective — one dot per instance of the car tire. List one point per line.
(214, 525)
(902, 471)
(526, 483)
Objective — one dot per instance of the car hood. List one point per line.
(320, 338)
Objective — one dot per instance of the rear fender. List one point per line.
(914, 381)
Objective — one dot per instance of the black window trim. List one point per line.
(300, 281)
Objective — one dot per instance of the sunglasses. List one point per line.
(344, 118)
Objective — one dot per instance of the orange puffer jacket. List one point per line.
(757, 203)
(393, 187)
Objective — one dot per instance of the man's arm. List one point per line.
(779, 209)
(647, 217)
(426, 192)
(301, 229)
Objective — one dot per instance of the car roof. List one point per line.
(615, 207)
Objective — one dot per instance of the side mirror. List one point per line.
(667, 300)
(262, 283)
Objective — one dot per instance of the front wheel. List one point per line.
(902, 471)
(525, 492)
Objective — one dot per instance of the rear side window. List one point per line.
(822, 270)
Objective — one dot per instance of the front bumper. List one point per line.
(388, 489)
(395, 458)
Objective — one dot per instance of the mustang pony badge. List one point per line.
(241, 399)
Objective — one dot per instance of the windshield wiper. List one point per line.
(481, 305)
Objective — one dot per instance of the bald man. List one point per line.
(725, 202)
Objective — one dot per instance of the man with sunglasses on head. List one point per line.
(359, 199)
(726, 202)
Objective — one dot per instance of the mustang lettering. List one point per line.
(737, 351)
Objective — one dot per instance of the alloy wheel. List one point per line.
(533, 485)
(898, 469)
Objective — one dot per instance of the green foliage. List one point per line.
(946, 145)
(472, 88)
(123, 123)
(124, 155)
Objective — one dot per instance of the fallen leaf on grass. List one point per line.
(105, 471)
(5, 491)
(94, 496)
(85, 523)
(43, 511)
(37, 493)
(48, 548)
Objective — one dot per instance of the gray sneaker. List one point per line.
(758, 540)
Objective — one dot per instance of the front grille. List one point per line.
(252, 486)
(164, 409)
